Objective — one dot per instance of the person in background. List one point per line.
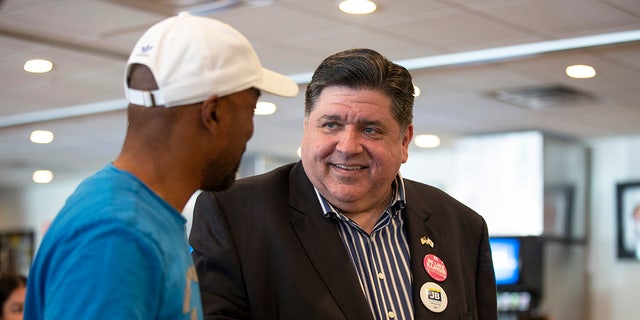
(341, 234)
(12, 293)
(118, 248)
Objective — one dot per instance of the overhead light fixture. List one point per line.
(42, 176)
(516, 51)
(38, 66)
(426, 141)
(580, 71)
(476, 56)
(265, 108)
(41, 136)
(508, 52)
(357, 6)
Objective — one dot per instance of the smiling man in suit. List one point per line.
(341, 234)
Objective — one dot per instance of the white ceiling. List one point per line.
(89, 42)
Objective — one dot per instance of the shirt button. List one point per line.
(391, 314)
(380, 275)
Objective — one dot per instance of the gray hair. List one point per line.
(364, 69)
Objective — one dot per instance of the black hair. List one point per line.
(8, 283)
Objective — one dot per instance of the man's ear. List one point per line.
(208, 111)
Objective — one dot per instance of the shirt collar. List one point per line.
(397, 204)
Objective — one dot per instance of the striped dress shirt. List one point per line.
(381, 259)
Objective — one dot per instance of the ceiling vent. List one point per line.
(195, 7)
(542, 97)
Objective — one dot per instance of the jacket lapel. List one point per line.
(320, 239)
(422, 240)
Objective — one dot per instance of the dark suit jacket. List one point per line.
(264, 250)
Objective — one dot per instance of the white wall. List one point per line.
(432, 166)
(484, 172)
(501, 176)
(614, 282)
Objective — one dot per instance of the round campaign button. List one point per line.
(433, 297)
(435, 267)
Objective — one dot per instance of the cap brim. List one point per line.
(278, 84)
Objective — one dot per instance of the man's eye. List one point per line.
(370, 130)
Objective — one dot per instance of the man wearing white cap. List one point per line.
(118, 249)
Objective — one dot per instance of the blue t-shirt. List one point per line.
(115, 251)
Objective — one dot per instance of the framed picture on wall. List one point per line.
(628, 208)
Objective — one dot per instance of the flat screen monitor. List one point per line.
(505, 253)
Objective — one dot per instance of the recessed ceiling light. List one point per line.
(357, 6)
(580, 71)
(299, 152)
(416, 91)
(426, 141)
(42, 176)
(265, 108)
(38, 66)
(41, 136)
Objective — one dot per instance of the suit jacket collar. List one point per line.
(422, 240)
(321, 241)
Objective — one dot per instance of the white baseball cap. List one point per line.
(193, 58)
